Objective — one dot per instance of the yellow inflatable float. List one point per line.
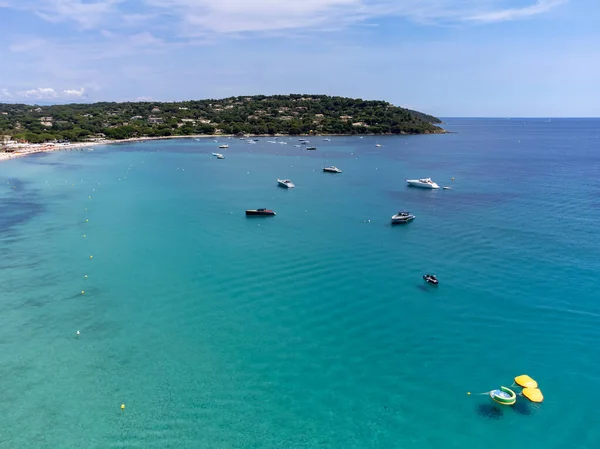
(533, 394)
(530, 388)
(525, 381)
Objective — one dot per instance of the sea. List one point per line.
(141, 308)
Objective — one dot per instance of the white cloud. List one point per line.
(201, 17)
(74, 92)
(41, 93)
(27, 45)
(541, 6)
(86, 13)
(5, 94)
(143, 99)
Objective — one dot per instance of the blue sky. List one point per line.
(446, 57)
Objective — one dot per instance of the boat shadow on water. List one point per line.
(489, 411)
(496, 412)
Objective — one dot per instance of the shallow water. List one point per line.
(313, 328)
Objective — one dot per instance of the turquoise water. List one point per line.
(312, 328)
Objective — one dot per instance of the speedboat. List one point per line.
(311, 148)
(261, 212)
(304, 142)
(425, 183)
(224, 146)
(332, 169)
(378, 145)
(326, 140)
(285, 183)
(447, 188)
(219, 155)
(431, 279)
(402, 217)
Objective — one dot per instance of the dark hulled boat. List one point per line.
(260, 212)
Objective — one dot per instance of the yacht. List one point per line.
(224, 146)
(425, 183)
(219, 155)
(311, 148)
(332, 169)
(402, 217)
(263, 212)
(285, 183)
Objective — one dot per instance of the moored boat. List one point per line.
(224, 146)
(424, 183)
(402, 217)
(311, 148)
(288, 184)
(332, 169)
(504, 396)
(219, 155)
(430, 279)
(260, 212)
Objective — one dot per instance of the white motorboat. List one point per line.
(378, 145)
(332, 169)
(402, 217)
(285, 183)
(326, 140)
(219, 155)
(424, 183)
(224, 146)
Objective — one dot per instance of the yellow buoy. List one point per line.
(86, 220)
(525, 381)
(122, 406)
(84, 236)
(91, 257)
(468, 392)
(82, 292)
(452, 179)
(533, 394)
(85, 276)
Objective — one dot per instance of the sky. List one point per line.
(449, 58)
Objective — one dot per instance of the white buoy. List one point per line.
(77, 332)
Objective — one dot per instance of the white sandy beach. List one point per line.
(25, 149)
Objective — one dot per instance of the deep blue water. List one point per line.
(312, 328)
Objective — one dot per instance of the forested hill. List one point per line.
(278, 114)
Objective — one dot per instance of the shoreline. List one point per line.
(26, 149)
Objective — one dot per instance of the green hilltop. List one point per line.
(255, 115)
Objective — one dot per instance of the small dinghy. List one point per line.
(447, 188)
(431, 279)
(504, 396)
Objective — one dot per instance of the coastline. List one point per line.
(26, 149)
